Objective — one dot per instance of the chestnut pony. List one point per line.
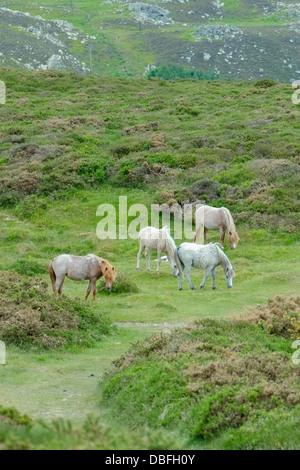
(81, 268)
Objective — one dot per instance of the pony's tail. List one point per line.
(197, 234)
(52, 276)
(178, 262)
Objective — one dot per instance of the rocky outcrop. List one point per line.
(217, 31)
(146, 12)
(291, 10)
(35, 43)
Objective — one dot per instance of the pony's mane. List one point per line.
(231, 224)
(222, 257)
(170, 243)
(171, 249)
(111, 270)
(224, 260)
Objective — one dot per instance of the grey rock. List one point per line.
(148, 12)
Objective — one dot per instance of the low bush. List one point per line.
(204, 380)
(30, 317)
(281, 316)
(19, 432)
(121, 285)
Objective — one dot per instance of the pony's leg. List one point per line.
(93, 287)
(179, 282)
(139, 256)
(199, 235)
(59, 284)
(179, 279)
(207, 273)
(205, 235)
(148, 260)
(213, 277)
(158, 261)
(188, 278)
(88, 291)
(222, 236)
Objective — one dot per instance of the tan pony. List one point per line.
(207, 217)
(81, 268)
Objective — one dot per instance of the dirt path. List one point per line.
(62, 384)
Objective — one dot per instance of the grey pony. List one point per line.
(206, 257)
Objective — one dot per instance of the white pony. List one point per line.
(158, 240)
(208, 218)
(207, 257)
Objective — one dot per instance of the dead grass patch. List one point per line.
(281, 316)
(151, 126)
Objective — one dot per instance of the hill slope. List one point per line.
(235, 39)
(221, 143)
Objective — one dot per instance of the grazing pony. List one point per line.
(208, 217)
(159, 240)
(207, 257)
(81, 268)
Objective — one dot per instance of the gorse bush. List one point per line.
(281, 316)
(121, 285)
(19, 432)
(30, 317)
(205, 379)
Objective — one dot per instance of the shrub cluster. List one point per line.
(29, 316)
(281, 316)
(206, 379)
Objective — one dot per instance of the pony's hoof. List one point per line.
(138, 270)
(180, 288)
(157, 272)
(193, 288)
(202, 287)
(214, 288)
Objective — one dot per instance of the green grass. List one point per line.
(19, 432)
(150, 140)
(262, 268)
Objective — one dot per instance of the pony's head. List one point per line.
(233, 238)
(173, 263)
(109, 274)
(229, 275)
(175, 269)
(172, 255)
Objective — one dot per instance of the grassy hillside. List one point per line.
(222, 143)
(69, 143)
(128, 37)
